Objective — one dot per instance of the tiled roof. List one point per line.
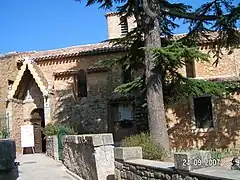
(73, 51)
(72, 72)
(90, 49)
(40, 74)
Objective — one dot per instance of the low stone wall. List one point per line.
(52, 147)
(91, 156)
(129, 165)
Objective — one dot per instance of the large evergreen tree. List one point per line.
(151, 47)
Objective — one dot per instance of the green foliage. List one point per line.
(136, 84)
(223, 153)
(3, 132)
(53, 129)
(218, 16)
(169, 60)
(150, 149)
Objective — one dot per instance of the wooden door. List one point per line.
(37, 137)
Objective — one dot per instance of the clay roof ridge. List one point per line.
(70, 47)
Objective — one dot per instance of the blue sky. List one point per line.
(48, 24)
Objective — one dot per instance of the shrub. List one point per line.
(53, 129)
(3, 132)
(150, 149)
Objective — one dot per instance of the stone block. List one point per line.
(102, 139)
(7, 155)
(90, 156)
(192, 160)
(52, 147)
(127, 153)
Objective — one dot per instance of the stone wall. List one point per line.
(52, 147)
(8, 71)
(17, 123)
(130, 166)
(224, 134)
(91, 157)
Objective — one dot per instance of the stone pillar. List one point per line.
(90, 156)
(52, 147)
(47, 110)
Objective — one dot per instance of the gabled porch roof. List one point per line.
(37, 75)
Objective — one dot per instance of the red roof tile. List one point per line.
(98, 48)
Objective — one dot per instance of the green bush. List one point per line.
(150, 149)
(53, 129)
(3, 133)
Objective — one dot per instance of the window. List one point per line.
(190, 69)
(127, 75)
(124, 26)
(125, 115)
(19, 65)
(125, 112)
(203, 112)
(10, 84)
(81, 83)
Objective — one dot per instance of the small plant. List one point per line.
(3, 132)
(53, 129)
(150, 149)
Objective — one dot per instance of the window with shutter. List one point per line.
(190, 69)
(81, 83)
(124, 26)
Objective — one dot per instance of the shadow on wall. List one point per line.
(226, 133)
(84, 114)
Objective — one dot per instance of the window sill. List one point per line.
(202, 130)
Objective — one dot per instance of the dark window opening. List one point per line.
(81, 84)
(19, 65)
(127, 75)
(203, 112)
(124, 26)
(190, 69)
(10, 84)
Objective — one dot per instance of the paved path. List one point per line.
(41, 167)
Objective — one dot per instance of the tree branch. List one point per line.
(191, 16)
(147, 10)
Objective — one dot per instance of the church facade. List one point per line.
(67, 86)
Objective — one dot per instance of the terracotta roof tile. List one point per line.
(73, 72)
(89, 49)
(78, 50)
(97, 48)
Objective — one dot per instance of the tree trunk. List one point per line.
(156, 112)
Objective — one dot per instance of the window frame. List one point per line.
(194, 128)
(187, 64)
(126, 72)
(75, 84)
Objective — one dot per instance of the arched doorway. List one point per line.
(38, 122)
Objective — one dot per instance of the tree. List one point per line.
(155, 24)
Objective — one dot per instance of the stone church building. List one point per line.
(67, 86)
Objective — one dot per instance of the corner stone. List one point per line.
(188, 161)
(128, 153)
